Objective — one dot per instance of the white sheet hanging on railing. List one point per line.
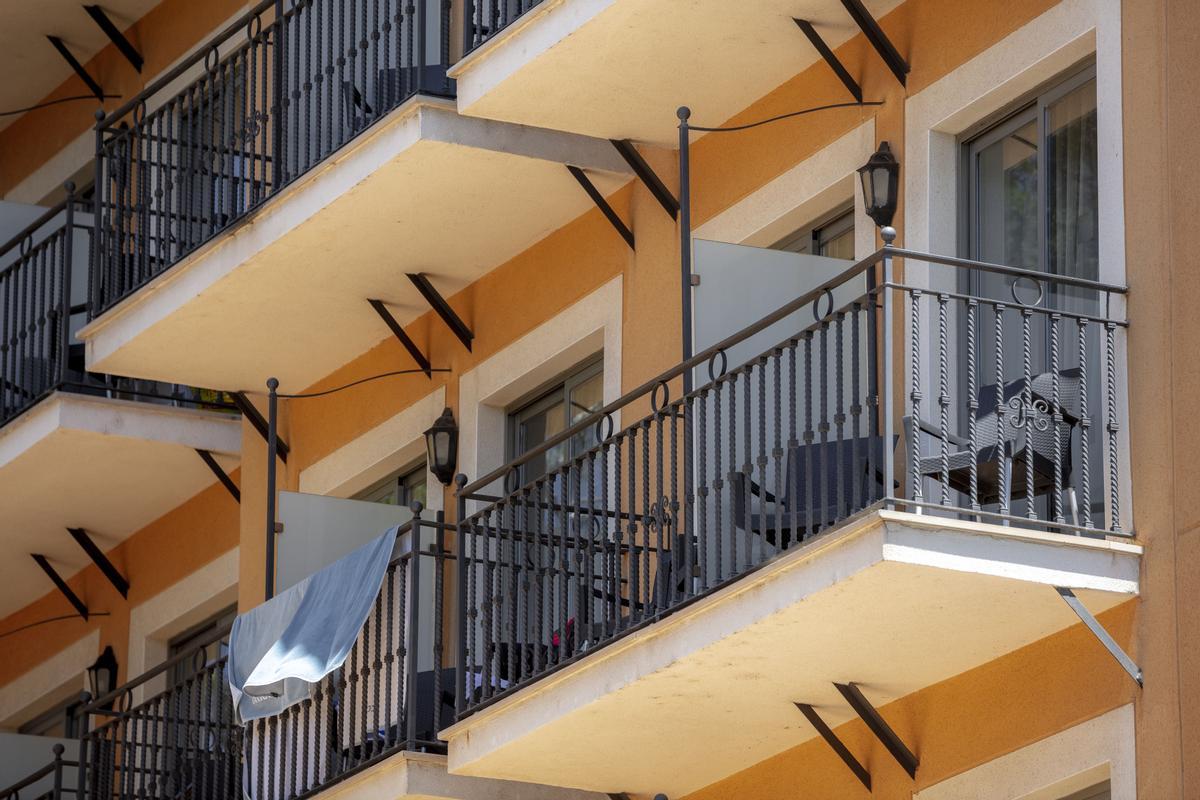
(281, 649)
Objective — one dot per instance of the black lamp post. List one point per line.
(102, 675)
(880, 178)
(441, 446)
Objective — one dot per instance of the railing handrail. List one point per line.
(97, 706)
(762, 324)
(201, 52)
(48, 215)
(58, 762)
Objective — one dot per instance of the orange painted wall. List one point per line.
(165, 551)
(165, 33)
(957, 724)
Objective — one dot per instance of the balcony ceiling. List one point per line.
(286, 292)
(620, 68)
(33, 65)
(108, 466)
(893, 602)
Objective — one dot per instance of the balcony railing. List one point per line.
(971, 390)
(392, 694)
(43, 302)
(270, 97)
(487, 18)
(58, 774)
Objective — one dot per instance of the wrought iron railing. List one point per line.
(487, 18)
(181, 741)
(58, 774)
(274, 94)
(35, 304)
(973, 390)
(393, 693)
(43, 302)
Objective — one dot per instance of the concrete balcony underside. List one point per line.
(109, 466)
(620, 68)
(894, 602)
(285, 292)
(423, 776)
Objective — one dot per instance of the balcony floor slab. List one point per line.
(285, 292)
(109, 466)
(892, 601)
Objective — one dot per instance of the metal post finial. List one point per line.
(888, 234)
(683, 112)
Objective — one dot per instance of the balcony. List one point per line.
(617, 69)
(321, 151)
(881, 483)
(81, 450)
(369, 727)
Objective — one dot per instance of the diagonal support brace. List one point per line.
(602, 204)
(115, 36)
(62, 586)
(397, 331)
(883, 732)
(258, 423)
(442, 308)
(100, 560)
(833, 741)
(647, 176)
(221, 474)
(878, 39)
(1093, 625)
(831, 58)
(69, 57)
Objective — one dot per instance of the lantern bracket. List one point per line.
(442, 308)
(406, 340)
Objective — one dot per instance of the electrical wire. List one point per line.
(52, 619)
(750, 125)
(48, 103)
(356, 383)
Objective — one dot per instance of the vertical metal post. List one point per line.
(414, 623)
(58, 765)
(95, 268)
(885, 390)
(422, 44)
(272, 446)
(65, 323)
(460, 579)
(685, 239)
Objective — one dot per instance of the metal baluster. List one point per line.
(916, 489)
(839, 416)
(751, 555)
(793, 445)
(719, 485)
(1057, 419)
(1029, 412)
(1113, 426)
(972, 403)
(747, 465)
(1001, 416)
(702, 489)
(1085, 424)
(943, 400)
(777, 452)
(810, 478)
(647, 518)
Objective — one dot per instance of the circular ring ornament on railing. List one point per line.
(1037, 284)
(212, 59)
(124, 701)
(254, 27)
(511, 480)
(817, 315)
(714, 377)
(601, 436)
(139, 113)
(656, 405)
(26, 245)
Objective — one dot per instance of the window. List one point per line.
(400, 489)
(59, 722)
(192, 639)
(552, 411)
(1102, 791)
(1032, 189)
(833, 238)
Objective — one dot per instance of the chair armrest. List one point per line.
(928, 427)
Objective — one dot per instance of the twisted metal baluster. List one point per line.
(944, 399)
(1110, 402)
(1057, 420)
(915, 395)
(972, 404)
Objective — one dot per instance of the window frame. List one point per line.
(398, 481)
(546, 396)
(841, 220)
